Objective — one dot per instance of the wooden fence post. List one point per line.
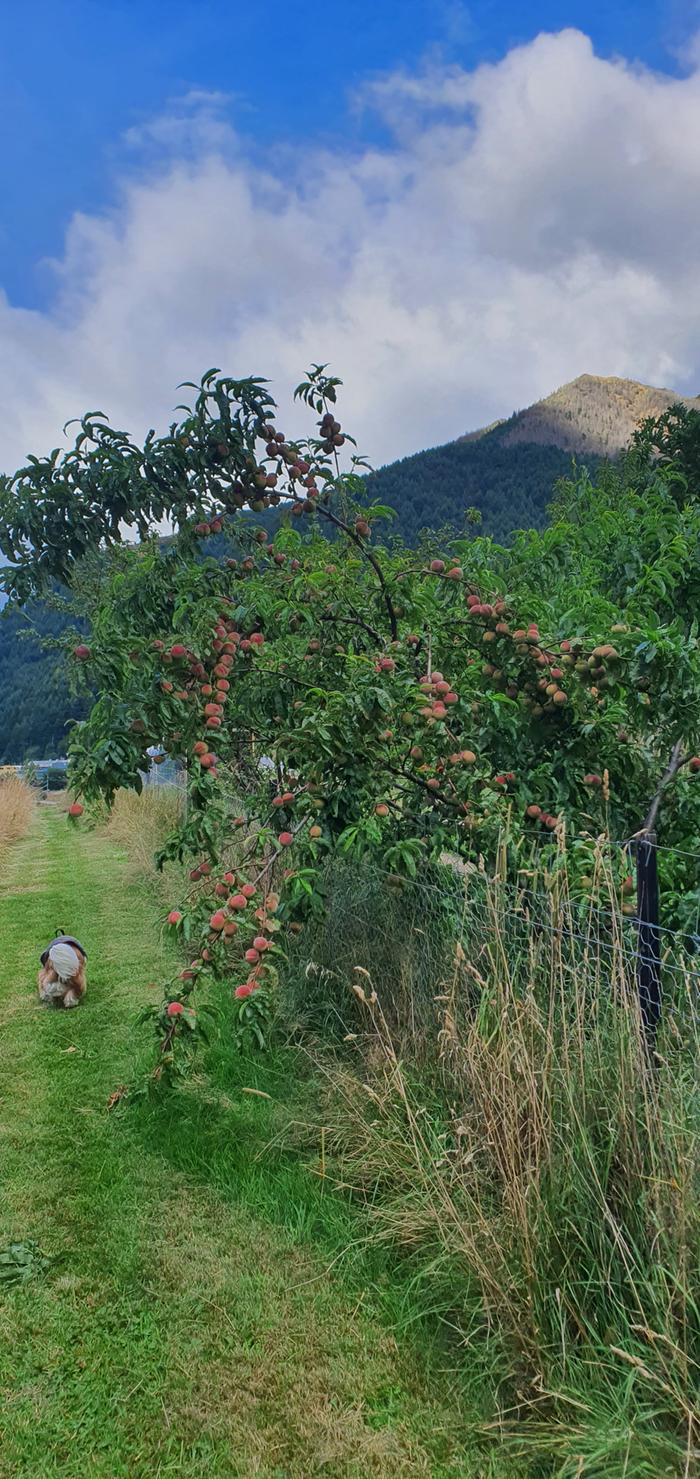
(648, 937)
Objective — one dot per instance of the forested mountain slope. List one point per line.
(507, 471)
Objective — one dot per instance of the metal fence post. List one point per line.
(648, 938)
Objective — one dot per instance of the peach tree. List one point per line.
(327, 691)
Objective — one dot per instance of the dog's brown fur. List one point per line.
(75, 987)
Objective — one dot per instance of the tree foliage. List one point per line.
(411, 704)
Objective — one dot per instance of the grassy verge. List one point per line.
(523, 1182)
(188, 1324)
(502, 1123)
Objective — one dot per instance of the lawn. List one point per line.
(210, 1307)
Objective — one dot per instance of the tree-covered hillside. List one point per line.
(36, 704)
(510, 486)
(508, 470)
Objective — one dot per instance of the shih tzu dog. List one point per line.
(61, 979)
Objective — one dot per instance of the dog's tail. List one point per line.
(64, 960)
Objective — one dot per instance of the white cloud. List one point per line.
(530, 220)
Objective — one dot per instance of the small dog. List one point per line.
(61, 979)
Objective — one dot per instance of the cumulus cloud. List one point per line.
(527, 221)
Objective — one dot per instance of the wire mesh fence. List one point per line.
(164, 772)
(448, 934)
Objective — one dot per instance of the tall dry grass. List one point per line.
(543, 1179)
(139, 825)
(17, 802)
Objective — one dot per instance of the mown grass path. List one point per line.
(188, 1325)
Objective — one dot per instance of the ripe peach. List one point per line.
(75, 810)
(248, 890)
(237, 901)
(285, 839)
(437, 566)
(381, 810)
(174, 916)
(174, 1008)
(218, 920)
(252, 956)
(81, 652)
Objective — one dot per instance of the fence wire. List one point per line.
(452, 933)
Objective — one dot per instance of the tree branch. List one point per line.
(417, 780)
(371, 559)
(671, 771)
(356, 621)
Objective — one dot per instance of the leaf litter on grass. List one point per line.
(22, 1261)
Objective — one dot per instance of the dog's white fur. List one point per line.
(62, 979)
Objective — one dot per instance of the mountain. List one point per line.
(594, 414)
(508, 470)
(35, 700)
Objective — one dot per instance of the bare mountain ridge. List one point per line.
(593, 414)
(508, 470)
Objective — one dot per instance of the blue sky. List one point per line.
(75, 76)
(459, 206)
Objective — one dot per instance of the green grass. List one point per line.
(210, 1308)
